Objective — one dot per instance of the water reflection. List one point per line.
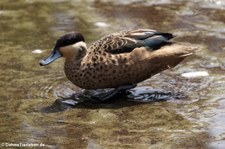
(28, 93)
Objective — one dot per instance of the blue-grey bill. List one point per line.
(54, 55)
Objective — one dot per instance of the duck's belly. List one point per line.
(111, 76)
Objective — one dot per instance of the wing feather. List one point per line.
(126, 41)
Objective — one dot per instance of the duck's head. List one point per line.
(71, 46)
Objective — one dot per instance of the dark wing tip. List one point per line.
(168, 36)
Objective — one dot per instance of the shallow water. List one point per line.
(31, 112)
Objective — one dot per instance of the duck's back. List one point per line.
(126, 41)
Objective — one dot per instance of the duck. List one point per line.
(119, 60)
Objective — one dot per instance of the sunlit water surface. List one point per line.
(31, 111)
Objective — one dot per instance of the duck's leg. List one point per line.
(104, 94)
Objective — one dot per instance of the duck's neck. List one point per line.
(74, 56)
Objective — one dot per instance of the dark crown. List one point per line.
(69, 39)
